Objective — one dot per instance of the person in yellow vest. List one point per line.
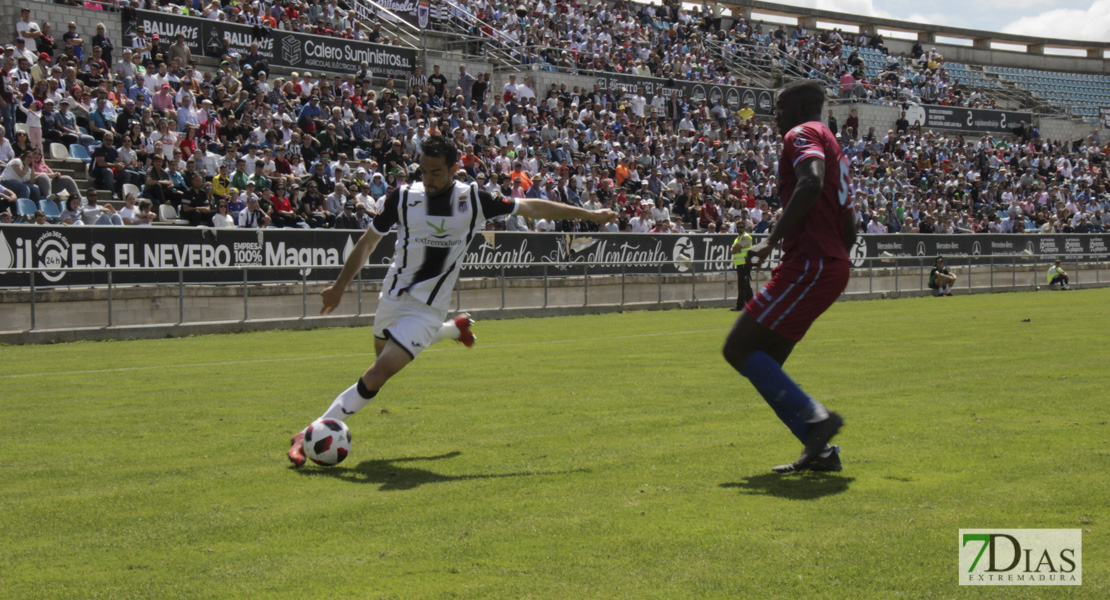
(1057, 274)
(746, 113)
(740, 262)
(221, 184)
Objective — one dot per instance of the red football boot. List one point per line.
(463, 322)
(296, 450)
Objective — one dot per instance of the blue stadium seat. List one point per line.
(53, 213)
(79, 151)
(26, 208)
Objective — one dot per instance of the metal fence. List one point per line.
(562, 286)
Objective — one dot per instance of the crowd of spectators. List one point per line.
(837, 58)
(665, 40)
(237, 146)
(906, 180)
(671, 41)
(330, 17)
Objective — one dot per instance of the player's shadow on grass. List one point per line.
(805, 486)
(391, 477)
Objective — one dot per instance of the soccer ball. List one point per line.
(327, 442)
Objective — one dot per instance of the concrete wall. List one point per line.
(449, 66)
(9, 13)
(134, 306)
(152, 311)
(59, 15)
(1068, 130)
(883, 118)
(880, 117)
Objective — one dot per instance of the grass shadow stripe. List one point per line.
(801, 486)
(393, 477)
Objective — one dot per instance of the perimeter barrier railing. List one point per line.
(561, 285)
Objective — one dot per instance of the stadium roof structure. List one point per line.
(926, 33)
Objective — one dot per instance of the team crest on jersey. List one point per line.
(463, 205)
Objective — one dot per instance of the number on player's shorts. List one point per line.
(842, 193)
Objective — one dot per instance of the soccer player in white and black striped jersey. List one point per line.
(436, 219)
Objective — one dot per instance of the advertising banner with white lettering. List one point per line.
(1104, 116)
(761, 100)
(981, 249)
(152, 255)
(281, 48)
(967, 119)
(418, 13)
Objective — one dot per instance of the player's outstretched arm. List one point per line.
(534, 208)
(849, 229)
(333, 294)
(811, 179)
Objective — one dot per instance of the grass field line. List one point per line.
(354, 354)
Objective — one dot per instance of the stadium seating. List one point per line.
(963, 75)
(167, 215)
(53, 213)
(129, 188)
(80, 152)
(1083, 94)
(59, 151)
(25, 209)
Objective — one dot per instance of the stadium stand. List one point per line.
(666, 165)
(1085, 94)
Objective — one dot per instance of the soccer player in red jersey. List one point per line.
(816, 229)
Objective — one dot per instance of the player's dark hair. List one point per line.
(438, 146)
(808, 94)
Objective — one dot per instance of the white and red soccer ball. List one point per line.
(327, 442)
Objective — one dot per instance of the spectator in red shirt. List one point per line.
(710, 212)
(281, 213)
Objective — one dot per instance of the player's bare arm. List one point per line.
(849, 229)
(768, 327)
(534, 208)
(811, 179)
(333, 294)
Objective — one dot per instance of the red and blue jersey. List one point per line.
(820, 233)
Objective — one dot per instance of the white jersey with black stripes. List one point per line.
(433, 235)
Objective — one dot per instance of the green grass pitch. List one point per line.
(612, 456)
